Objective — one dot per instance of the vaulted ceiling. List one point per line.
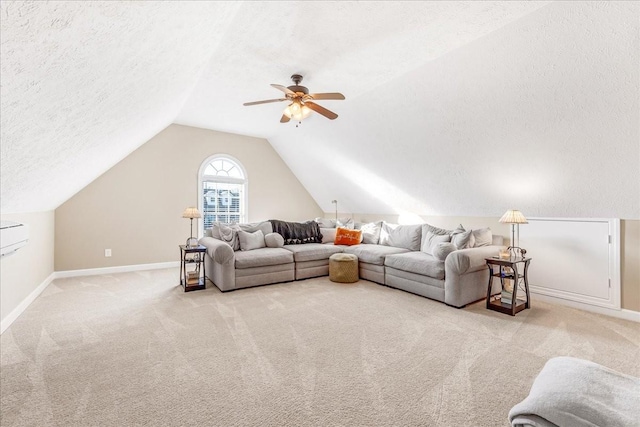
(453, 108)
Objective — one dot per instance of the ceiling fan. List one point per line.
(301, 101)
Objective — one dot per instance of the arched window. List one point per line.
(222, 185)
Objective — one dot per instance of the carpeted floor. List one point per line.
(133, 349)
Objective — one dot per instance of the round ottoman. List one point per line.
(343, 268)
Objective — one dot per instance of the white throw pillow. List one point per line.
(432, 240)
(228, 233)
(441, 250)
(250, 241)
(328, 234)
(401, 236)
(463, 240)
(274, 240)
(482, 237)
(370, 232)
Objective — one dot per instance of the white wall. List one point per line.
(23, 273)
(135, 208)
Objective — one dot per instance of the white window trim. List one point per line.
(218, 178)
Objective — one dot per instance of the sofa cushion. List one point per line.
(263, 256)
(482, 237)
(296, 233)
(332, 223)
(416, 262)
(313, 251)
(373, 254)
(401, 236)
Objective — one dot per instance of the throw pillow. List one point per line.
(274, 240)
(228, 233)
(482, 237)
(463, 239)
(370, 232)
(345, 236)
(328, 234)
(432, 240)
(401, 236)
(441, 250)
(250, 241)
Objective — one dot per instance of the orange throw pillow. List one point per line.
(344, 236)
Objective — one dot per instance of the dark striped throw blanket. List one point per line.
(295, 233)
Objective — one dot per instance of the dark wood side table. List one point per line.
(192, 279)
(508, 269)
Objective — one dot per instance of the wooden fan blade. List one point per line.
(246, 104)
(284, 89)
(284, 119)
(332, 95)
(321, 110)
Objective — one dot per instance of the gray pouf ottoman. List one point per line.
(343, 268)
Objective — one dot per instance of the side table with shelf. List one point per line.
(192, 271)
(507, 269)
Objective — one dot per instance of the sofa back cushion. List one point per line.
(401, 236)
(332, 223)
(295, 233)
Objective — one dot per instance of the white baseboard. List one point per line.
(117, 269)
(7, 321)
(634, 316)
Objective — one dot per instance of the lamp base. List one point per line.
(192, 242)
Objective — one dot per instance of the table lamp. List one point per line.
(191, 213)
(515, 218)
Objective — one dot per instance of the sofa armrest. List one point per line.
(465, 261)
(218, 250)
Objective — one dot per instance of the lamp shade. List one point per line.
(513, 216)
(191, 213)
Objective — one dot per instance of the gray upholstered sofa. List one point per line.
(401, 260)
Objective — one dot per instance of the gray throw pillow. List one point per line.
(482, 237)
(432, 240)
(441, 250)
(463, 239)
(274, 240)
(228, 233)
(250, 241)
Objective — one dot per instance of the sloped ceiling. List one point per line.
(453, 108)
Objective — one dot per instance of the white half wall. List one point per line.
(26, 272)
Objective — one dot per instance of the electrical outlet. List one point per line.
(107, 252)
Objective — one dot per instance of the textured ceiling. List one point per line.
(86, 83)
(453, 108)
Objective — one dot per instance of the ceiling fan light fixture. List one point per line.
(297, 111)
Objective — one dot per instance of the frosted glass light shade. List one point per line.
(297, 111)
(191, 213)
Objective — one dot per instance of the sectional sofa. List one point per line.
(421, 259)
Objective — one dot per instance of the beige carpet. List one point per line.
(133, 349)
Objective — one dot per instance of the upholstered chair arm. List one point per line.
(465, 261)
(218, 250)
